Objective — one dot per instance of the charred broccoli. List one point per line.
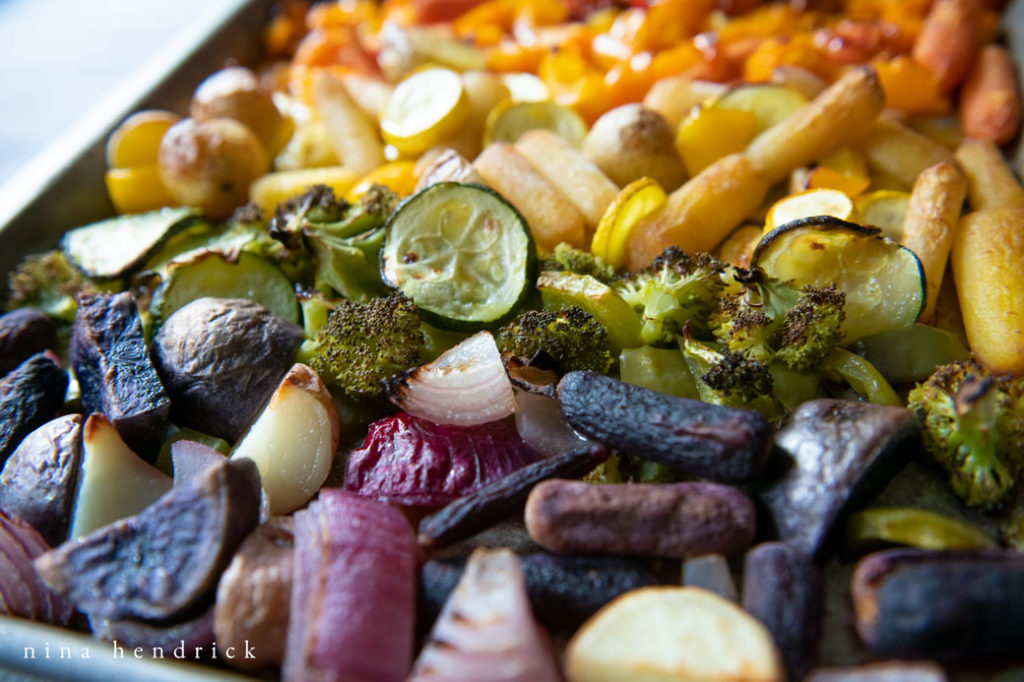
(974, 429)
(344, 239)
(48, 282)
(362, 345)
(729, 378)
(674, 290)
(568, 258)
(770, 319)
(570, 336)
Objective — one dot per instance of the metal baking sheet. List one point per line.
(64, 188)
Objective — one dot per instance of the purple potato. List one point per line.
(30, 396)
(24, 333)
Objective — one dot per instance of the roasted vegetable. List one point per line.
(38, 481)
(768, 319)
(782, 588)
(974, 429)
(675, 289)
(714, 442)
(675, 520)
(220, 359)
(194, 633)
(165, 561)
(488, 504)
(24, 333)
(947, 606)
(833, 455)
(919, 528)
(895, 671)
(111, 361)
(353, 600)
(486, 626)
(571, 337)
(729, 378)
(570, 259)
(23, 594)
(48, 282)
(344, 238)
(364, 344)
(562, 289)
(710, 572)
(30, 396)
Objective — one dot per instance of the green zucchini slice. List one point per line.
(883, 281)
(118, 246)
(212, 273)
(462, 253)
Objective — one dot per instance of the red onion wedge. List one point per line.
(353, 597)
(486, 631)
(22, 592)
(465, 386)
(412, 462)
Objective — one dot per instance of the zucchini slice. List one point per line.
(883, 281)
(212, 273)
(770, 103)
(462, 253)
(118, 246)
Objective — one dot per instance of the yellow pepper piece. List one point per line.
(908, 86)
(632, 204)
(710, 133)
(823, 177)
(398, 176)
(137, 190)
(136, 141)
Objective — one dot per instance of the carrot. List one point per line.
(946, 42)
(990, 181)
(989, 101)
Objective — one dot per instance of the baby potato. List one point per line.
(236, 93)
(631, 142)
(987, 257)
(210, 164)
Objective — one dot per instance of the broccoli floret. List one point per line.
(362, 345)
(48, 282)
(569, 336)
(729, 378)
(768, 319)
(571, 259)
(344, 239)
(972, 429)
(674, 290)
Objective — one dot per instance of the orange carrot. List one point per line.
(946, 42)
(989, 101)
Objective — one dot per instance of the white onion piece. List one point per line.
(465, 386)
(541, 425)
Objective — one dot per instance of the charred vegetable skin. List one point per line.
(487, 505)
(38, 482)
(220, 360)
(111, 361)
(165, 561)
(832, 454)
(974, 429)
(570, 336)
(674, 520)
(563, 590)
(24, 333)
(718, 443)
(948, 606)
(782, 588)
(30, 396)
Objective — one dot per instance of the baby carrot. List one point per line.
(946, 42)
(989, 101)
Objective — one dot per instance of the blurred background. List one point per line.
(60, 58)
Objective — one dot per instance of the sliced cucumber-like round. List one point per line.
(770, 103)
(118, 246)
(212, 273)
(883, 281)
(462, 253)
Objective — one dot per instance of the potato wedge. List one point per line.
(678, 634)
(551, 216)
(901, 152)
(932, 217)
(568, 169)
(352, 133)
(699, 215)
(839, 114)
(987, 257)
(990, 182)
(293, 440)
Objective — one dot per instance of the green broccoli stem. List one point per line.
(861, 375)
